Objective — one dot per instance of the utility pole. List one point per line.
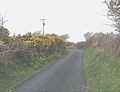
(43, 20)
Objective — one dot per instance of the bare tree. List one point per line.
(88, 35)
(2, 21)
(114, 12)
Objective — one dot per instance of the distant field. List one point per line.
(103, 71)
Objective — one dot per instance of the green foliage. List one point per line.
(23, 71)
(80, 45)
(25, 49)
(4, 35)
(1, 48)
(26, 56)
(102, 69)
(21, 56)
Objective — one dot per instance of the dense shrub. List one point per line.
(27, 49)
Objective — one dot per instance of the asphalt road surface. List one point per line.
(65, 75)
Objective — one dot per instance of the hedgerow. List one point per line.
(27, 48)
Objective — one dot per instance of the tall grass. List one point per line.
(102, 70)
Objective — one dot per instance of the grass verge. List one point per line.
(102, 70)
(22, 73)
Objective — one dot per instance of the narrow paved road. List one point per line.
(66, 75)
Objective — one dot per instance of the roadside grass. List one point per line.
(15, 77)
(102, 70)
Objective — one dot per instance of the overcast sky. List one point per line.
(73, 17)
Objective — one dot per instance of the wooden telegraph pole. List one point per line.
(43, 21)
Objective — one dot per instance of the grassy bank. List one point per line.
(22, 72)
(103, 71)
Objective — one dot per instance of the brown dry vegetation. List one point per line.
(109, 41)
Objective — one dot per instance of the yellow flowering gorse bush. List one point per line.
(46, 40)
